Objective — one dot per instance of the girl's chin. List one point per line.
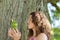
(29, 28)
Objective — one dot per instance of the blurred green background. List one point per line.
(54, 12)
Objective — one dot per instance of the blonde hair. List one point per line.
(42, 24)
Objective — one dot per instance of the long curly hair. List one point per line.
(42, 24)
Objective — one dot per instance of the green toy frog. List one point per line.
(14, 24)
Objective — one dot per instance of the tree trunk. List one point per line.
(18, 10)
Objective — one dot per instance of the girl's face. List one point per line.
(30, 24)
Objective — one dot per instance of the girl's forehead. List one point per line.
(30, 17)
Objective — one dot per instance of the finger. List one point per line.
(17, 30)
(10, 33)
(14, 31)
(19, 34)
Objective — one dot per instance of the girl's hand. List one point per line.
(15, 34)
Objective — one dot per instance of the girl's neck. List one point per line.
(34, 32)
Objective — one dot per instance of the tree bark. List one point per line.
(18, 10)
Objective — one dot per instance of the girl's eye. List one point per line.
(27, 23)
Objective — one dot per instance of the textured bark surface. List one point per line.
(18, 10)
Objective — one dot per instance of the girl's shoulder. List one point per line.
(32, 38)
(42, 36)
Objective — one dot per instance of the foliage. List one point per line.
(57, 11)
(56, 33)
(56, 14)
